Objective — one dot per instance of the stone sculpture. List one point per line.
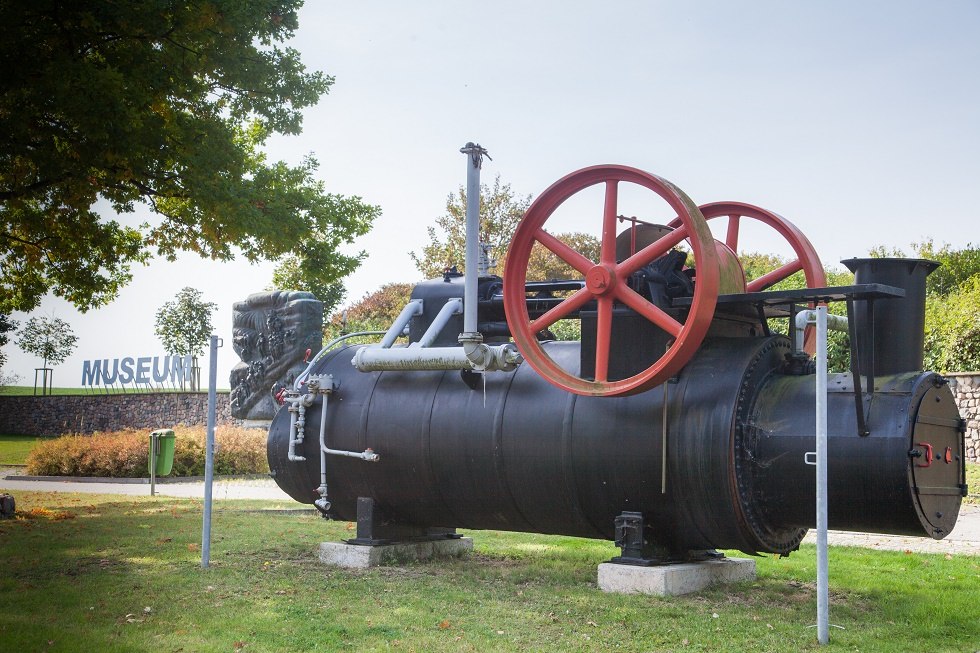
(272, 332)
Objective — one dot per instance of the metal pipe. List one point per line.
(209, 451)
(330, 345)
(474, 161)
(297, 422)
(809, 316)
(450, 308)
(411, 309)
(322, 503)
(481, 358)
(823, 602)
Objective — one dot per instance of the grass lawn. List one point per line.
(111, 573)
(14, 448)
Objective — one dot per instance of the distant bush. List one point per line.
(125, 453)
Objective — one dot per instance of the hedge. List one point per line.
(121, 454)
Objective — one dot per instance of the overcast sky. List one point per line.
(858, 121)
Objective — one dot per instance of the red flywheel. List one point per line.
(605, 282)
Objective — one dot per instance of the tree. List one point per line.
(165, 105)
(952, 325)
(51, 339)
(956, 266)
(6, 326)
(184, 324)
(376, 311)
(291, 275)
(500, 212)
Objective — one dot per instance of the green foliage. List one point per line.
(184, 323)
(956, 265)
(124, 454)
(48, 338)
(952, 329)
(6, 326)
(161, 104)
(543, 265)
(952, 338)
(500, 212)
(375, 311)
(291, 274)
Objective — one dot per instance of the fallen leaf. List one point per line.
(685, 642)
(444, 624)
(193, 547)
(592, 623)
(769, 626)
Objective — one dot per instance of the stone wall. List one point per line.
(88, 413)
(56, 415)
(966, 389)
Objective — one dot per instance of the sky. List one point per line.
(858, 122)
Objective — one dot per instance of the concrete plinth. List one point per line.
(673, 580)
(353, 556)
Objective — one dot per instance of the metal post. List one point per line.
(823, 601)
(209, 452)
(474, 160)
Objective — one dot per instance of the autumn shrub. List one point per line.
(125, 453)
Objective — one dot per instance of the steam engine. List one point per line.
(679, 423)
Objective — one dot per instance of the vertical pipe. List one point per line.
(474, 160)
(209, 453)
(823, 603)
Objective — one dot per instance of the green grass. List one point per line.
(80, 571)
(14, 448)
(973, 484)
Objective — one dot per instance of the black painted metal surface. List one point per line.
(523, 455)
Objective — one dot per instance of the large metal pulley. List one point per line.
(715, 270)
(605, 281)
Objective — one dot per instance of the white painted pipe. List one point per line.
(487, 358)
(809, 316)
(411, 309)
(823, 600)
(330, 345)
(450, 308)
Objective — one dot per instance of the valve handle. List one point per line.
(605, 281)
(928, 454)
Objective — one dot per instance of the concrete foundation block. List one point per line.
(354, 556)
(673, 580)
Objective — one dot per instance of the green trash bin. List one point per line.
(163, 440)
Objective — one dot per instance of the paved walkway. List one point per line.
(965, 537)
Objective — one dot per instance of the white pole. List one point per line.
(823, 601)
(209, 452)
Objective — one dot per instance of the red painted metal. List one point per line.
(806, 256)
(605, 281)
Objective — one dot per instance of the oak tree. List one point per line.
(107, 107)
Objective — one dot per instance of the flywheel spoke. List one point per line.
(651, 312)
